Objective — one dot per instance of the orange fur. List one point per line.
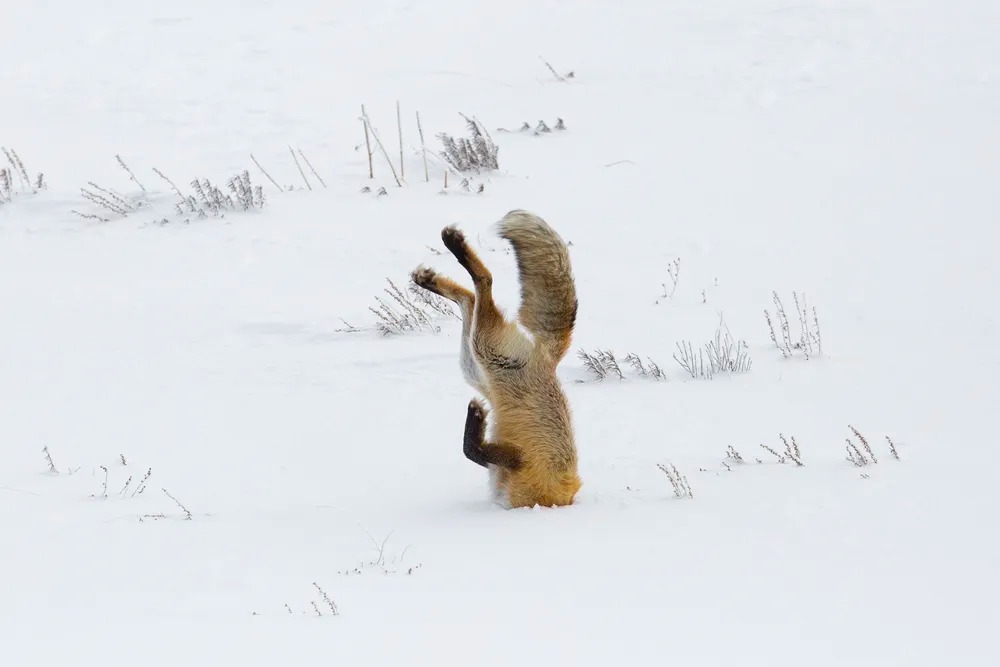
(531, 454)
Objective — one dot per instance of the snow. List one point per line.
(845, 151)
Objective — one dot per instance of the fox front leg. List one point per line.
(481, 452)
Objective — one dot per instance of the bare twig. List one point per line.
(423, 149)
(48, 459)
(129, 172)
(678, 481)
(187, 513)
(368, 146)
(892, 448)
(309, 164)
(263, 171)
(854, 454)
(864, 443)
(399, 125)
(792, 450)
(172, 184)
(781, 459)
(378, 142)
(141, 486)
(557, 75)
(300, 168)
(104, 488)
(327, 600)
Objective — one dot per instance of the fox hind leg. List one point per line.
(496, 343)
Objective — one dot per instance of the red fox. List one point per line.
(530, 454)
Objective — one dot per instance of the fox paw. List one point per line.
(477, 412)
(454, 241)
(424, 277)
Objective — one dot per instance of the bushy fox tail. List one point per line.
(548, 294)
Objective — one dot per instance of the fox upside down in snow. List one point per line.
(530, 453)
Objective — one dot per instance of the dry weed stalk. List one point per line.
(141, 486)
(187, 512)
(104, 488)
(48, 459)
(17, 167)
(865, 455)
(399, 126)
(108, 199)
(478, 153)
(733, 454)
(790, 453)
(6, 186)
(417, 310)
(854, 455)
(90, 216)
(593, 364)
(128, 171)
(299, 166)
(792, 450)
(209, 199)
(674, 273)
(423, 149)
(864, 443)
(892, 448)
(781, 459)
(368, 144)
(653, 370)
(693, 363)
(326, 599)
(557, 75)
(722, 354)
(378, 142)
(603, 363)
(809, 340)
(262, 170)
(312, 169)
(678, 481)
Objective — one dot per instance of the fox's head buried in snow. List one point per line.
(529, 450)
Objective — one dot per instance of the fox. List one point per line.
(530, 452)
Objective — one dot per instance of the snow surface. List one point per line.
(849, 151)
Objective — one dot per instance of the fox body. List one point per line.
(530, 451)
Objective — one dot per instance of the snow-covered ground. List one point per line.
(847, 151)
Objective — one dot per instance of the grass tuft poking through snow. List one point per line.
(417, 310)
(682, 489)
(808, 342)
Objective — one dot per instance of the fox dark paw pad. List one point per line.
(454, 241)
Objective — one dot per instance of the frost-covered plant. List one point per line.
(413, 311)
(808, 342)
(603, 364)
(791, 452)
(674, 273)
(864, 455)
(722, 354)
(16, 170)
(678, 481)
(209, 199)
(476, 153)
